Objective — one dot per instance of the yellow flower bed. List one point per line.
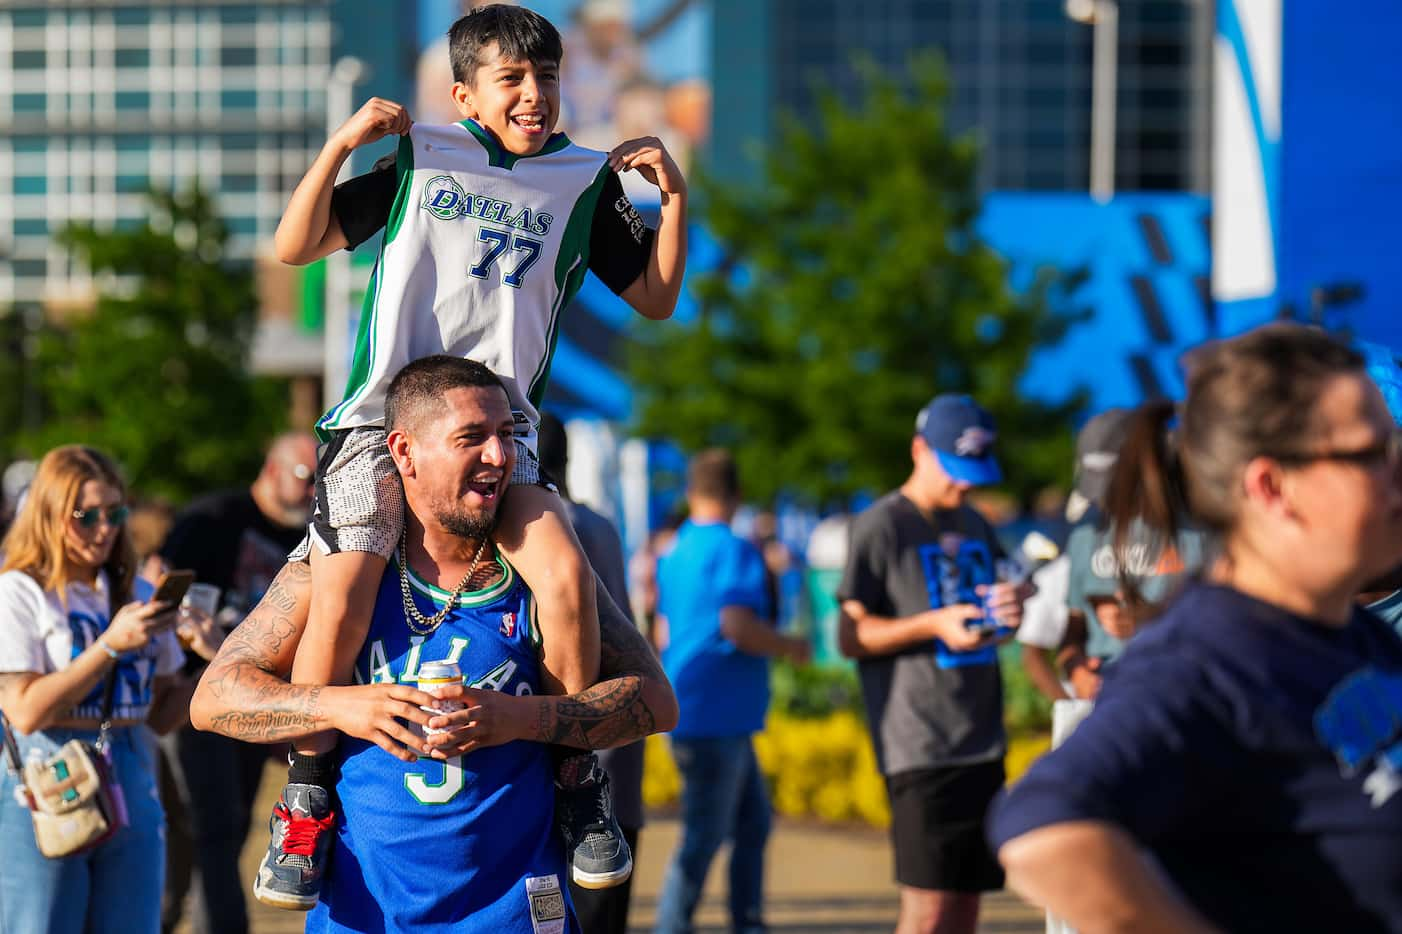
(821, 767)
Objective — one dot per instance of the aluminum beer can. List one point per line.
(433, 678)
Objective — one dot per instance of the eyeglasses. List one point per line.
(1386, 452)
(89, 518)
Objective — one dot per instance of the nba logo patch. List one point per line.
(508, 624)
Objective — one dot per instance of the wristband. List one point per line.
(111, 652)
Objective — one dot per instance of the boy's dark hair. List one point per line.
(712, 474)
(420, 386)
(521, 35)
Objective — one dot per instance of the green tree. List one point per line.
(157, 375)
(12, 381)
(856, 287)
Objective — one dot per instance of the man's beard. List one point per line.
(472, 526)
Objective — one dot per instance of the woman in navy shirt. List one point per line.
(1242, 770)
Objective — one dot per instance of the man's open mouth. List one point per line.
(487, 489)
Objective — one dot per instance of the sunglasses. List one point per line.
(89, 518)
(1386, 452)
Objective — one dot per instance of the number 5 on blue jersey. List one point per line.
(441, 792)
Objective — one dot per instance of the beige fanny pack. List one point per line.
(74, 799)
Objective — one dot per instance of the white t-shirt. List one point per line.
(38, 634)
(1044, 613)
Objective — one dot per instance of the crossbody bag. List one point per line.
(73, 795)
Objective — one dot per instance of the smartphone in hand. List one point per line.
(172, 586)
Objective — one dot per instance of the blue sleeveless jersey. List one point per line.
(464, 845)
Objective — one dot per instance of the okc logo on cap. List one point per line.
(444, 198)
(973, 441)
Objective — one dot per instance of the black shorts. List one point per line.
(937, 827)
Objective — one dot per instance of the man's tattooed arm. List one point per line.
(632, 699)
(243, 693)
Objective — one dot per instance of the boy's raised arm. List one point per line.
(654, 294)
(308, 230)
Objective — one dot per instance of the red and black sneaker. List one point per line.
(290, 876)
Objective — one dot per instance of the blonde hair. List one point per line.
(35, 541)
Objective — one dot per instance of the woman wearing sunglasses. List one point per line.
(67, 620)
(1242, 770)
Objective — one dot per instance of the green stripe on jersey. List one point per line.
(499, 158)
(473, 597)
(404, 165)
(364, 355)
(571, 266)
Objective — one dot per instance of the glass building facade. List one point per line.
(101, 101)
(1020, 75)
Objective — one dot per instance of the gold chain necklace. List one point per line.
(427, 625)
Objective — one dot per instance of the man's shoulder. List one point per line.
(882, 508)
(581, 514)
(706, 543)
(881, 517)
(726, 539)
(591, 526)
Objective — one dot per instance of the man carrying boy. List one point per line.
(452, 832)
(490, 226)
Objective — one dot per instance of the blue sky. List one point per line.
(682, 52)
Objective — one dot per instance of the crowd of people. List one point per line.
(411, 605)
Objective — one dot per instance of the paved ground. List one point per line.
(819, 880)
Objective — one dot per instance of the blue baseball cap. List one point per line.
(960, 432)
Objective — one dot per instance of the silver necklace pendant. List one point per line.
(427, 625)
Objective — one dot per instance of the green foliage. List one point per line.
(157, 375)
(857, 289)
(813, 690)
(1025, 710)
(12, 374)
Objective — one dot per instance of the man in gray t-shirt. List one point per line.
(919, 564)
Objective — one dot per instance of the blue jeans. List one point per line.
(114, 889)
(723, 797)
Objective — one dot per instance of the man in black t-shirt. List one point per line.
(236, 540)
(920, 565)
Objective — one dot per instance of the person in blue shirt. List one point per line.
(1242, 768)
(711, 590)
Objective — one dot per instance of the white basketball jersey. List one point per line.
(481, 252)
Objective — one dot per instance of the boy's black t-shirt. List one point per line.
(619, 241)
(1255, 754)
